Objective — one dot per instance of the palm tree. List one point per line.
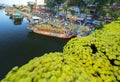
(65, 8)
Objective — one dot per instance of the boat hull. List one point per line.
(49, 33)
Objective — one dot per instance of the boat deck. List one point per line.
(50, 33)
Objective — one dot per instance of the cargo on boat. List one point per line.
(59, 32)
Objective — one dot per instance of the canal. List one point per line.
(18, 44)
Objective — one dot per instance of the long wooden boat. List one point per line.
(17, 16)
(62, 34)
(1, 7)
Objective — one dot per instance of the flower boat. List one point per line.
(17, 16)
(47, 29)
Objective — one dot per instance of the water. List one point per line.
(18, 44)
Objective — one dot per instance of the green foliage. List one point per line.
(72, 12)
(50, 4)
(14, 5)
(18, 19)
(95, 58)
(74, 2)
(116, 13)
(31, 6)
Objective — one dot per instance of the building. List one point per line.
(31, 3)
(39, 6)
(40, 2)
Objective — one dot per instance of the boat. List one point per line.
(10, 11)
(34, 20)
(49, 30)
(1, 7)
(17, 16)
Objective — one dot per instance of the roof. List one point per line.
(97, 22)
(19, 12)
(35, 17)
(88, 20)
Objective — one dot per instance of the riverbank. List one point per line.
(18, 44)
(92, 58)
(72, 26)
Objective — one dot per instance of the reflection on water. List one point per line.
(47, 42)
(10, 17)
(18, 22)
(33, 36)
(19, 45)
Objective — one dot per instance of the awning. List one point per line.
(80, 19)
(97, 22)
(35, 18)
(19, 12)
(61, 14)
(88, 20)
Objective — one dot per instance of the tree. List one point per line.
(14, 5)
(31, 5)
(58, 2)
(112, 1)
(54, 3)
(65, 8)
(74, 2)
(50, 4)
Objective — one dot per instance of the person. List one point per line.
(92, 29)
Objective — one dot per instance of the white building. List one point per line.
(40, 2)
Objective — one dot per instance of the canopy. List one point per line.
(27, 9)
(61, 14)
(83, 15)
(16, 14)
(97, 22)
(19, 12)
(88, 20)
(80, 19)
(35, 18)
